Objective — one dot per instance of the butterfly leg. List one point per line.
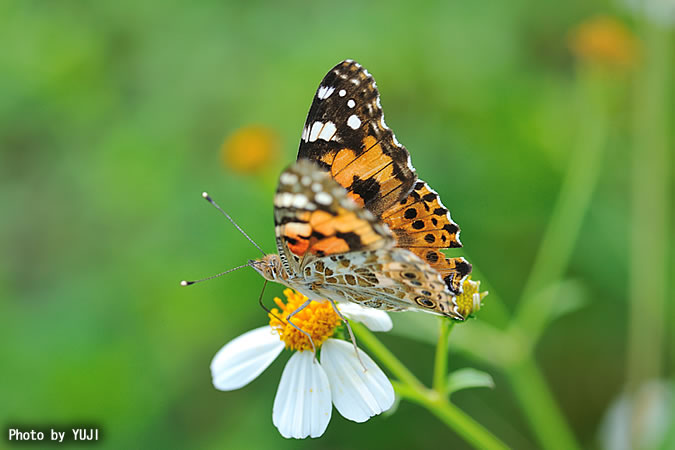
(288, 319)
(351, 333)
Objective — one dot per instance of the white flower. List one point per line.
(302, 405)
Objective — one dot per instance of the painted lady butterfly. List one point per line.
(352, 220)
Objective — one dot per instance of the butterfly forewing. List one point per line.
(346, 134)
(314, 218)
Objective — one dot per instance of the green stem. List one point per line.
(441, 361)
(411, 388)
(386, 357)
(509, 352)
(558, 242)
(539, 406)
(650, 208)
(456, 419)
(535, 310)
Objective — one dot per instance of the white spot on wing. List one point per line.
(325, 92)
(288, 178)
(305, 134)
(327, 132)
(342, 93)
(355, 81)
(314, 133)
(316, 187)
(283, 200)
(305, 180)
(354, 122)
(299, 201)
(323, 198)
(351, 103)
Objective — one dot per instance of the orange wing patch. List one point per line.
(369, 177)
(314, 217)
(453, 270)
(329, 234)
(421, 220)
(422, 224)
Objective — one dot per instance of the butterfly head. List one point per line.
(269, 266)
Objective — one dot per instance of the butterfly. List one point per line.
(353, 223)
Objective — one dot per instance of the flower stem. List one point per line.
(534, 309)
(651, 207)
(470, 430)
(441, 362)
(539, 406)
(510, 352)
(560, 236)
(386, 357)
(411, 388)
(651, 202)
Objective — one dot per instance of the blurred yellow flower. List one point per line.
(470, 299)
(250, 149)
(605, 41)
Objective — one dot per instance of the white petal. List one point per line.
(302, 405)
(357, 394)
(374, 319)
(242, 359)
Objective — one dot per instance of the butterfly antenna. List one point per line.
(188, 283)
(210, 200)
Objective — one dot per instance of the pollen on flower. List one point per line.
(469, 300)
(317, 319)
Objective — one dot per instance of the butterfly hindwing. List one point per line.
(314, 217)
(346, 134)
(390, 279)
(422, 224)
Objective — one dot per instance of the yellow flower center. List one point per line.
(317, 319)
(469, 300)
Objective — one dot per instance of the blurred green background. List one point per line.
(115, 116)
